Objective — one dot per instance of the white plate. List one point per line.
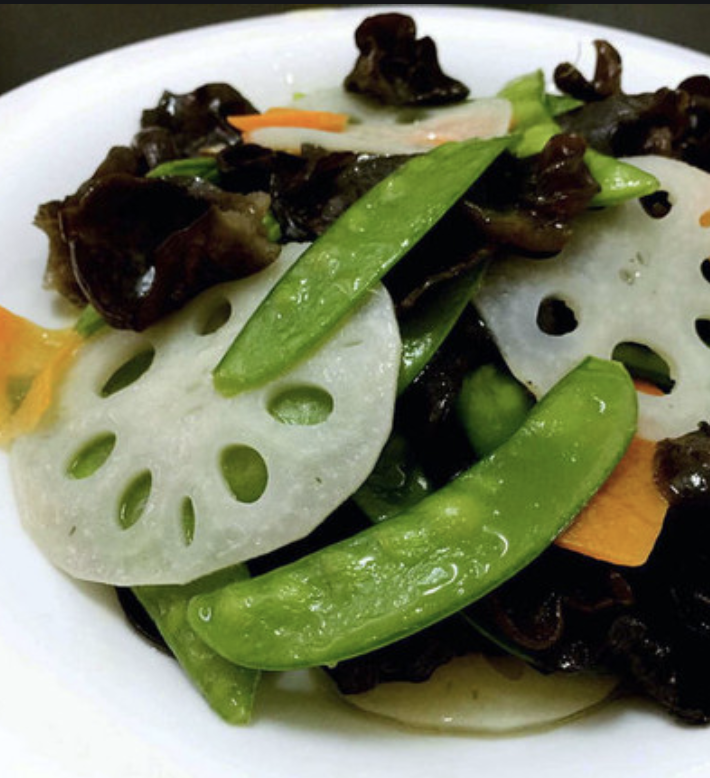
(81, 695)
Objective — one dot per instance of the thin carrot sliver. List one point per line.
(328, 121)
(32, 361)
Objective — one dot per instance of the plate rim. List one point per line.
(516, 15)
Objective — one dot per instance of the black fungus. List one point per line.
(58, 274)
(180, 126)
(694, 145)
(529, 205)
(247, 167)
(308, 191)
(629, 125)
(185, 125)
(671, 122)
(650, 624)
(451, 248)
(557, 611)
(396, 68)
(426, 411)
(412, 659)
(140, 248)
(662, 644)
(605, 82)
(682, 468)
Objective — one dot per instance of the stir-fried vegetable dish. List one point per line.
(397, 382)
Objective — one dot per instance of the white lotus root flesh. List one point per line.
(625, 277)
(164, 480)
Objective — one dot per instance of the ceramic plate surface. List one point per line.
(82, 695)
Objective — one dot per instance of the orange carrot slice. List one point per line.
(623, 520)
(32, 360)
(328, 121)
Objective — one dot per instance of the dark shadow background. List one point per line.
(38, 38)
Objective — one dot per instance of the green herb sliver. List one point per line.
(441, 554)
(339, 269)
(193, 167)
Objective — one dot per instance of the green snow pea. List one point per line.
(229, 689)
(443, 553)
(339, 269)
(396, 482)
(535, 125)
(559, 104)
(425, 329)
(491, 405)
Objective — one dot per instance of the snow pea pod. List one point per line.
(230, 690)
(441, 554)
(535, 124)
(426, 328)
(396, 482)
(340, 268)
(491, 405)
